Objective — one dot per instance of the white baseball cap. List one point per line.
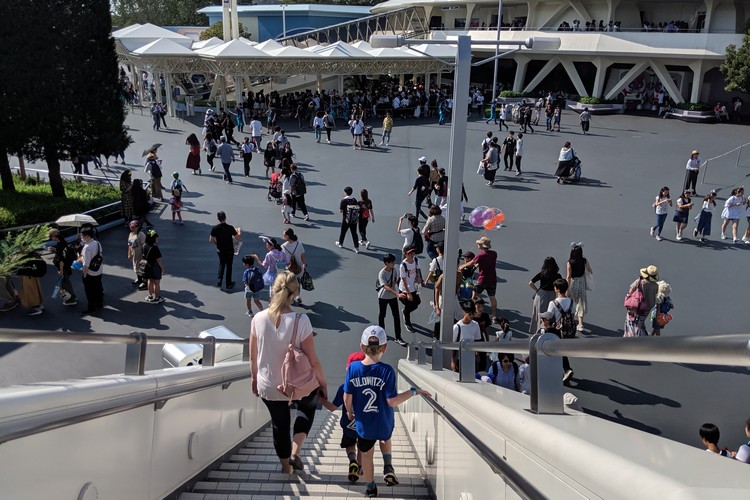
(422, 159)
(374, 331)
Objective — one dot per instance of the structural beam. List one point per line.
(572, 72)
(666, 80)
(546, 70)
(625, 80)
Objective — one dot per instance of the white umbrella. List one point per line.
(76, 220)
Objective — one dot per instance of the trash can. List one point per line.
(175, 354)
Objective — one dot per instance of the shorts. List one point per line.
(348, 440)
(479, 288)
(365, 445)
(249, 294)
(155, 272)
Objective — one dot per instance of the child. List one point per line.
(370, 396)
(504, 332)
(710, 434)
(349, 438)
(176, 200)
(743, 453)
(664, 304)
(524, 375)
(252, 277)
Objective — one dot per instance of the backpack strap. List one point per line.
(294, 332)
(557, 304)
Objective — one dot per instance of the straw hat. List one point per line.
(484, 242)
(650, 273)
(695, 152)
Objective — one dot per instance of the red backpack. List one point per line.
(297, 376)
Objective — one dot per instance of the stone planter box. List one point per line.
(597, 109)
(693, 116)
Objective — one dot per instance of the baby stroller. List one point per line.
(274, 188)
(575, 172)
(367, 139)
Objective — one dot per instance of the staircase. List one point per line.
(253, 472)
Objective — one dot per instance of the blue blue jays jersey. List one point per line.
(371, 386)
(347, 425)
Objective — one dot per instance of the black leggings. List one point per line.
(281, 419)
(352, 228)
(363, 228)
(383, 305)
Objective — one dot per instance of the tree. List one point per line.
(217, 30)
(68, 96)
(736, 66)
(15, 248)
(159, 12)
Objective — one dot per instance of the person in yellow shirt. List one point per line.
(387, 127)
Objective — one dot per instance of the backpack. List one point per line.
(255, 280)
(466, 290)
(417, 242)
(293, 266)
(297, 377)
(352, 213)
(155, 169)
(177, 187)
(212, 148)
(300, 188)
(566, 324)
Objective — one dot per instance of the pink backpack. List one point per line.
(297, 376)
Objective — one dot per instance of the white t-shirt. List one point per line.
(470, 332)
(409, 274)
(272, 346)
(408, 235)
(566, 303)
(294, 248)
(519, 147)
(662, 208)
(257, 128)
(437, 264)
(89, 252)
(358, 126)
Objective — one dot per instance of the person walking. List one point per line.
(155, 265)
(126, 194)
(411, 280)
(520, 150)
(210, 147)
(91, 260)
(421, 187)
(295, 255)
(193, 161)
(564, 162)
(509, 148)
(684, 204)
(64, 257)
(366, 215)
(388, 295)
(491, 163)
(692, 168)
(387, 127)
(732, 212)
(153, 168)
(247, 148)
(585, 119)
(635, 319)
(434, 230)
(661, 207)
(349, 208)
(561, 303)
(330, 124)
(318, 125)
(577, 270)
(223, 236)
(485, 260)
(298, 188)
(271, 332)
(545, 292)
(703, 228)
(226, 155)
(256, 130)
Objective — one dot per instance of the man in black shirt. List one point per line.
(422, 187)
(223, 236)
(349, 209)
(509, 145)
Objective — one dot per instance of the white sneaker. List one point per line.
(356, 249)
(678, 237)
(339, 244)
(723, 236)
(659, 238)
(735, 240)
(367, 244)
(651, 231)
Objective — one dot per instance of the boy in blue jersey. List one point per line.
(370, 397)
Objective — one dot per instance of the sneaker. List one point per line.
(150, 298)
(8, 306)
(159, 300)
(518, 173)
(735, 241)
(568, 375)
(249, 314)
(367, 244)
(71, 302)
(703, 240)
(142, 286)
(135, 283)
(36, 311)
(402, 342)
(361, 242)
(651, 231)
(723, 236)
(389, 476)
(307, 217)
(409, 328)
(353, 471)
(296, 462)
(659, 238)
(371, 492)
(678, 237)
(695, 233)
(339, 244)
(356, 249)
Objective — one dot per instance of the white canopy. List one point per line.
(211, 42)
(137, 37)
(233, 49)
(164, 47)
(338, 49)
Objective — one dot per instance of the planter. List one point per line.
(693, 116)
(597, 109)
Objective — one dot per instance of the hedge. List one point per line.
(694, 106)
(33, 203)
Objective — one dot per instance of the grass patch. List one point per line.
(33, 203)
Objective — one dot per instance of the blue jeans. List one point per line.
(226, 171)
(386, 136)
(660, 218)
(549, 122)
(318, 133)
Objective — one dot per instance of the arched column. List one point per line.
(521, 63)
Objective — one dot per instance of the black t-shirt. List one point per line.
(422, 186)
(546, 280)
(64, 254)
(510, 144)
(345, 202)
(151, 253)
(224, 234)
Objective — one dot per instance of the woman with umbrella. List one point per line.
(126, 195)
(194, 155)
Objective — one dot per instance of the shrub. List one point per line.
(590, 100)
(694, 106)
(512, 93)
(33, 203)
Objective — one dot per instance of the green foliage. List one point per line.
(512, 93)
(33, 203)
(159, 12)
(736, 66)
(16, 247)
(694, 106)
(591, 100)
(217, 30)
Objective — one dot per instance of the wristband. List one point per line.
(413, 391)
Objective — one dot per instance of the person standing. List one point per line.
(485, 261)
(64, 257)
(635, 318)
(732, 212)
(318, 125)
(193, 161)
(387, 127)
(519, 152)
(547, 325)
(349, 208)
(226, 155)
(661, 209)
(585, 119)
(330, 124)
(126, 195)
(545, 292)
(411, 279)
(247, 149)
(136, 240)
(271, 332)
(388, 294)
(152, 255)
(256, 130)
(299, 190)
(491, 162)
(153, 168)
(509, 148)
(693, 167)
(577, 269)
(434, 230)
(91, 259)
(223, 236)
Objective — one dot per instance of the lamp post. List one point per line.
(497, 49)
(462, 71)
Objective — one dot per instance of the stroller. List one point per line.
(274, 188)
(367, 139)
(575, 172)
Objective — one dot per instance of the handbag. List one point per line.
(589, 277)
(306, 282)
(634, 300)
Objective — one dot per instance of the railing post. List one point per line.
(209, 352)
(421, 354)
(411, 352)
(135, 355)
(467, 369)
(246, 351)
(546, 377)
(437, 356)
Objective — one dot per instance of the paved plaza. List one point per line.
(626, 160)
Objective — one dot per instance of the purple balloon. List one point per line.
(488, 214)
(476, 220)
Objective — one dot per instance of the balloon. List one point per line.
(500, 217)
(475, 218)
(77, 265)
(488, 214)
(490, 225)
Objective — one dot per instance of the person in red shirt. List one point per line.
(485, 262)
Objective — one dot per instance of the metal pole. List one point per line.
(226, 22)
(497, 49)
(283, 19)
(455, 181)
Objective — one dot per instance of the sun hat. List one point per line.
(484, 242)
(695, 152)
(650, 273)
(374, 331)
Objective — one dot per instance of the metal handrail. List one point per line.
(497, 463)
